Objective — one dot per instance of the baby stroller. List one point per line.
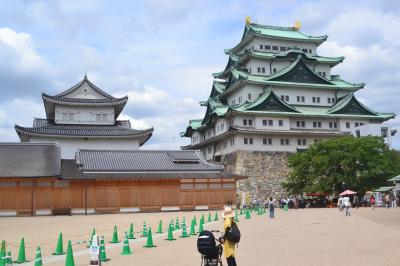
(209, 249)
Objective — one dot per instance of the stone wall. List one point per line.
(266, 171)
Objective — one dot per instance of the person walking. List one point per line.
(387, 201)
(372, 202)
(271, 208)
(340, 204)
(229, 247)
(347, 205)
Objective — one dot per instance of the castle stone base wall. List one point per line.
(266, 171)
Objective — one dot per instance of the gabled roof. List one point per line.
(193, 125)
(65, 98)
(350, 105)
(282, 33)
(298, 72)
(268, 101)
(84, 81)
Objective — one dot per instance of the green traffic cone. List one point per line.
(149, 243)
(202, 218)
(183, 221)
(216, 216)
(184, 232)
(177, 227)
(115, 235)
(21, 253)
(9, 259)
(248, 214)
(170, 233)
(209, 217)
(195, 220)
(103, 255)
(38, 258)
(131, 232)
(236, 216)
(69, 261)
(192, 229)
(59, 248)
(126, 250)
(285, 208)
(159, 229)
(144, 233)
(91, 237)
(201, 229)
(3, 253)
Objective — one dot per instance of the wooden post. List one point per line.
(86, 198)
(33, 198)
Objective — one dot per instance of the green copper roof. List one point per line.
(284, 33)
(282, 78)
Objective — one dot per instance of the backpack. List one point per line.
(233, 233)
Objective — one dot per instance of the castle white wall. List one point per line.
(85, 92)
(308, 93)
(84, 115)
(244, 91)
(70, 146)
(255, 45)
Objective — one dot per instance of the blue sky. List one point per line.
(162, 53)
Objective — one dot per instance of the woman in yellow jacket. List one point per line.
(229, 247)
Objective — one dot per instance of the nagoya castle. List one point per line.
(276, 96)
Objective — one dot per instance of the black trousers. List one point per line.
(231, 261)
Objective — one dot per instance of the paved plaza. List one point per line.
(296, 237)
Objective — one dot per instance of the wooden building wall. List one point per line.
(27, 196)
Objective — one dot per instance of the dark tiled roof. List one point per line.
(82, 130)
(84, 100)
(143, 161)
(29, 160)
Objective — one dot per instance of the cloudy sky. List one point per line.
(162, 53)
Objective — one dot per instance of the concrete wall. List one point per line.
(70, 146)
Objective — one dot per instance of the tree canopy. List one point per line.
(330, 166)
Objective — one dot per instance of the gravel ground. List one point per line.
(297, 237)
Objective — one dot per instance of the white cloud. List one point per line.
(20, 49)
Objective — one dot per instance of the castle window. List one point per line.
(245, 141)
(347, 124)
(275, 48)
(282, 97)
(222, 127)
(356, 124)
(270, 122)
(304, 50)
(249, 96)
(98, 117)
(263, 69)
(287, 98)
(298, 99)
(282, 48)
(319, 73)
(232, 141)
(309, 51)
(324, 74)
(267, 141)
(250, 140)
(329, 100)
(267, 47)
(274, 70)
(264, 122)
(250, 122)
(258, 69)
(280, 123)
(304, 142)
(244, 122)
(261, 46)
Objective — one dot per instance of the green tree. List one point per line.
(332, 165)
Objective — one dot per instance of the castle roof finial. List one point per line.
(247, 20)
(85, 76)
(297, 25)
